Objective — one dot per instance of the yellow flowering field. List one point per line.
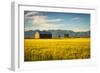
(56, 49)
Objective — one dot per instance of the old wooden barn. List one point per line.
(42, 35)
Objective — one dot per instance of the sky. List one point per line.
(34, 20)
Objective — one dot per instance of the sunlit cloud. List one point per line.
(42, 22)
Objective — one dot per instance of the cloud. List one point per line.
(30, 14)
(76, 18)
(40, 21)
(55, 20)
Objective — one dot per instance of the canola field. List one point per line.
(56, 49)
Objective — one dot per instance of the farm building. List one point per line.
(37, 35)
(29, 34)
(42, 34)
(66, 35)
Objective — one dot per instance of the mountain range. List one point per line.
(57, 33)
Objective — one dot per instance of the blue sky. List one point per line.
(56, 20)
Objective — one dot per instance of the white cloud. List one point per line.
(55, 20)
(30, 14)
(76, 18)
(40, 21)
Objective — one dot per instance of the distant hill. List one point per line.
(59, 33)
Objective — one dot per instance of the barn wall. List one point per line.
(45, 36)
(37, 35)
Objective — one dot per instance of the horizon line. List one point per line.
(56, 29)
